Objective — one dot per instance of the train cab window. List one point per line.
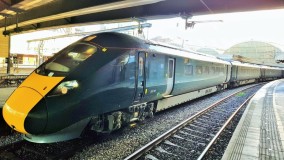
(122, 60)
(66, 60)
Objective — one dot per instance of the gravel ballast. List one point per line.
(125, 141)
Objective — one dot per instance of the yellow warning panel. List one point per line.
(18, 106)
(42, 84)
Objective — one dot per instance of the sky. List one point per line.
(265, 26)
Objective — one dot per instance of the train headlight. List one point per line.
(64, 88)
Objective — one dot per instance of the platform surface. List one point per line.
(260, 132)
(4, 95)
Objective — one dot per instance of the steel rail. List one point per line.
(221, 130)
(173, 130)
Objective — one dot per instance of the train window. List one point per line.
(186, 60)
(221, 70)
(206, 70)
(155, 70)
(217, 69)
(130, 67)
(171, 65)
(198, 70)
(120, 70)
(188, 70)
(66, 60)
(212, 70)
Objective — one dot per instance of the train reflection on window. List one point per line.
(118, 72)
(141, 63)
(155, 70)
(66, 60)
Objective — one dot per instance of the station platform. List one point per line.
(260, 132)
(4, 95)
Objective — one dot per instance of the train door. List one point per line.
(227, 73)
(262, 74)
(234, 73)
(140, 76)
(170, 77)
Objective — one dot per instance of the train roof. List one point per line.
(272, 67)
(238, 63)
(185, 53)
(114, 40)
(119, 40)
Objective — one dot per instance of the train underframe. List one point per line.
(115, 120)
(234, 84)
(112, 121)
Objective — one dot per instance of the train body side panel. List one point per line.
(246, 73)
(271, 73)
(193, 75)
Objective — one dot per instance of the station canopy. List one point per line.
(209, 51)
(17, 16)
(261, 52)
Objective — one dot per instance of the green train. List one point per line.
(106, 80)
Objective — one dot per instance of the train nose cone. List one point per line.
(19, 107)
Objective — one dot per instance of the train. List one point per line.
(107, 80)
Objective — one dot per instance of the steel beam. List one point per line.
(61, 9)
(60, 13)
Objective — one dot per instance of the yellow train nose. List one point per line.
(18, 106)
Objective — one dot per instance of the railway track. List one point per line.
(10, 80)
(26, 150)
(192, 138)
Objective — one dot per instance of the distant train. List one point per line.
(104, 81)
